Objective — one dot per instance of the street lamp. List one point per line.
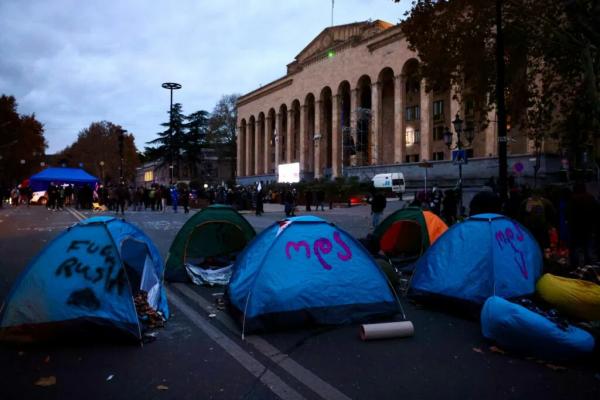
(171, 86)
(121, 144)
(102, 171)
(460, 157)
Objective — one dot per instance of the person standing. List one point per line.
(308, 197)
(259, 201)
(184, 195)
(14, 196)
(122, 195)
(320, 200)
(162, 199)
(174, 198)
(378, 204)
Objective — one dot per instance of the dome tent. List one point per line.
(215, 231)
(305, 270)
(408, 231)
(82, 284)
(486, 255)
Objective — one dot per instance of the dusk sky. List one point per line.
(74, 62)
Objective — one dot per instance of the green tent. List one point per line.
(216, 231)
(408, 232)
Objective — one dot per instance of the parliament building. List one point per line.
(352, 104)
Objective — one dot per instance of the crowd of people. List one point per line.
(556, 216)
(560, 218)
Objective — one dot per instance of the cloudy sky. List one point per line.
(73, 62)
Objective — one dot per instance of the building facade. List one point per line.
(214, 170)
(351, 103)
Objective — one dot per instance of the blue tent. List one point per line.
(84, 278)
(74, 176)
(486, 255)
(305, 270)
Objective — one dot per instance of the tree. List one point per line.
(552, 56)
(21, 138)
(196, 139)
(222, 128)
(170, 141)
(99, 143)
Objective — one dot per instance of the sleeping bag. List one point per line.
(573, 297)
(515, 327)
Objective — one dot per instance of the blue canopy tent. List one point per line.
(305, 270)
(486, 255)
(83, 283)
(74, 176)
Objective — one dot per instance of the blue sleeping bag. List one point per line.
(515, 327)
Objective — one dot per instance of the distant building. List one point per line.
(212, 170)
(352, 104)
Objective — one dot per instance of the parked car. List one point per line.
(39, 197)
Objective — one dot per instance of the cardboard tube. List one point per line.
(387, 330)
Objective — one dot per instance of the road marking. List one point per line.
(75, 213)
(303, 375)
(267, 377)
(272, 381)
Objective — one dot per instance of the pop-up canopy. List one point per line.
(74, 176)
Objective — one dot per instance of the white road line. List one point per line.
(303, 375)
(75, 213)
(70, 211)
(271, 380)
(280, 388)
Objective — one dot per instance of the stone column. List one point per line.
(278, 136)
(258, 135)
(289, 141)
(303, 140)
(249, 149)
(240, 151)
(399, 101)
(267, 145)
(491, 134)
(375, 122)
(354, 120)
(318, 138)
(336, 138)
(426, 119)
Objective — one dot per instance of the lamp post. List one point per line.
(121, 144)
(171, 86)
(460, 155)
(102, 171)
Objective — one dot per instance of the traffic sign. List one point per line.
(459, 156)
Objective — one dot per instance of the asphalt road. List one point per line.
(199, 356)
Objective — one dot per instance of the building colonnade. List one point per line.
(388, 119)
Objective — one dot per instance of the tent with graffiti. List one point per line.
(212, 236)
(408, 232)
(486, 255)
(305, 270)
(83, 283)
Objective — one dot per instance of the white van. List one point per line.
(393, 181)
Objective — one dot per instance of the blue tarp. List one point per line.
(88, 274)
(74, 176)
(486, 255)
(305, 270)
